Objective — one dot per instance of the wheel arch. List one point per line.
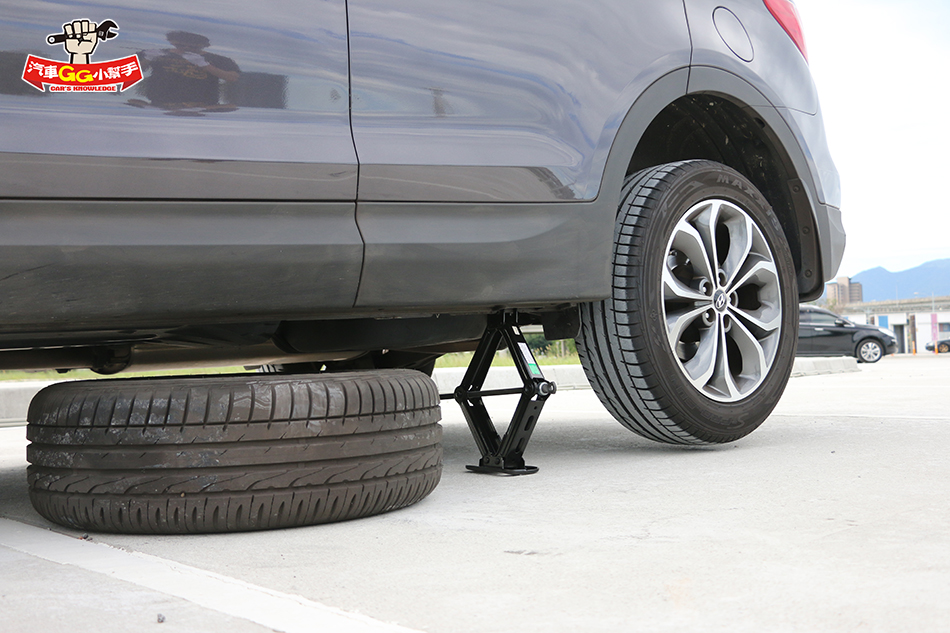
(724, 119)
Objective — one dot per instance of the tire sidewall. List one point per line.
(232, 453)
(703, 181)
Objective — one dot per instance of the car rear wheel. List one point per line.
(697, 341)
(870, 351)
(232, 453)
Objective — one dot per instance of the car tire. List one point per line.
(943, 348)
(869, 351)
(664, 360)
(232, 453)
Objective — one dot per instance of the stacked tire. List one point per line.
(232, 453)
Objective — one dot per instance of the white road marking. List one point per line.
(827, 415)
(273, 609)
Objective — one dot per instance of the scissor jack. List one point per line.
(502, 456)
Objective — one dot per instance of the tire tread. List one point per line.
(613, 340)
(220, 454)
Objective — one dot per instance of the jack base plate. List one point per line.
(498, 470)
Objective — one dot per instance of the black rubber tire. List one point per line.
(232, 453)
(623, 340)
(869, 355)
(943, 348)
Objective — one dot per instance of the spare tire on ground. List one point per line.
(232, 453)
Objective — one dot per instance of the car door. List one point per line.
(198, 162)
(831, 336)
(806, 332)
(482, 130)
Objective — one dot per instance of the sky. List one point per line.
(882, 68)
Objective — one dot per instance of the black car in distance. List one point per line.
(824, 333)
(943, 346)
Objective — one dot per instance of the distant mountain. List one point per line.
(879, 284)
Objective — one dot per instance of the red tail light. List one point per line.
(787, 15)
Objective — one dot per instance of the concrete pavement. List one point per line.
(831, 517)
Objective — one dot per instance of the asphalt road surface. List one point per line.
(834, 516)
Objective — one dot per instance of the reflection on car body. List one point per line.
(185, 78)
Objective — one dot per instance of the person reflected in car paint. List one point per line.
(185, 80)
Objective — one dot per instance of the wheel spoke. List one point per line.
(677, 323)
(766, 311)
(741, 236)
(674, 288)
(760, 270)
(701, 367)
(689, 241)
(720, 384)
(751, 354)
(705, 218)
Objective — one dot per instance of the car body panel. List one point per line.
(796, 143)
(810, 132)
(56, 176)
(480, 255)
(451, 257)
(772, 64)
(371, 160)
(291, 111)
(151, 264)
(776, 79)
(498, 101)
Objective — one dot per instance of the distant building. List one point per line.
(843, 291)
(916, 322)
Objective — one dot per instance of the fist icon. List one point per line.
(81, 40)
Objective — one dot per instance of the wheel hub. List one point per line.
(724, 340)
(720, 301)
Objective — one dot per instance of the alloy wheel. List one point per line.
(721, 300)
